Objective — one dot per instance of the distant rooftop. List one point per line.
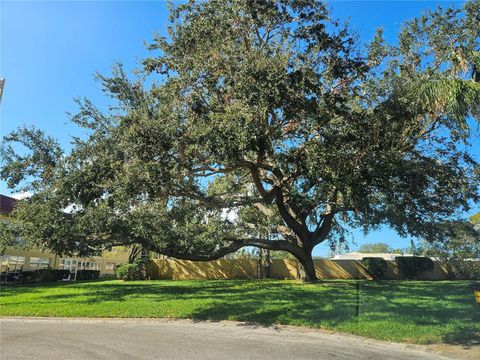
(7, 204)
(359, 256)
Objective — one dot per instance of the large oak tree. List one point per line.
(270, 106)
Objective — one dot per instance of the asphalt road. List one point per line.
(168, 339)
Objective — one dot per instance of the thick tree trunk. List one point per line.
(309, 274)
(267, 263)
(134, 252)
(302, 254)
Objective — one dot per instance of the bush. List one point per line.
(109, 276)
(375, 266)
(412, 266)
(44, 275)
(49, 275)
(61, 274)
(135, 271)
(29, 276)
(88, 274)
(464, 270)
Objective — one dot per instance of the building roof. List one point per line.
(359, 256)
(7, 204)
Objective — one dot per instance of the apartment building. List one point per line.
(13, 259)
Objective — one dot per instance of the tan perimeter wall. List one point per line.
(250, 269)
(279, 269)
(325, 269)
(173, 269)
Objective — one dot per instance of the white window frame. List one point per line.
(40, 264)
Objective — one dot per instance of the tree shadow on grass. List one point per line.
(447, 304)
(464, 336)
(328, 304)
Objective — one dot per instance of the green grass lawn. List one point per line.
(410, 311)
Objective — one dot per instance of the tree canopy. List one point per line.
(270, 106)
(456, 247)
(375, 248)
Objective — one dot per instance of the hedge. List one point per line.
(375, 266)
(135, 271)
(43, 275)
(412, 266)
(88, 274)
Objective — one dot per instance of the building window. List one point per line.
(39, 263)
(19, 260)
(68, 264)
(12, 263)
(88, 265)
(110, 266)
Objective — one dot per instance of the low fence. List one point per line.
(279, 269)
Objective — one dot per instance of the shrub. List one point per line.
(464, 270)
(412, 266)
(61, 274)
(49, 275)
(109, 276)
(375, 266)
(44, 275)
(29, 276)
(88, 274)
(135, 271)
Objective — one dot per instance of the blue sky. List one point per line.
(50, 52)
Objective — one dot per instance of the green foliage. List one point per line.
(413, 248)
(39, 165)
(29, 276)
(412, 266)
(244, 254)
(87, 275)
(475, 220)
(7, 236)
(457, 245)
(375, 248)
(376, 267)
(270, 107)
(414, 311)
(134, 271)
(283, 255)
(44, 275)
(464, 269)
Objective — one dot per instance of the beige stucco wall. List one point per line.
(340, 269)
(248, 269)
(279, 269)
(173, 269)
(325, 269)
(284, 269)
